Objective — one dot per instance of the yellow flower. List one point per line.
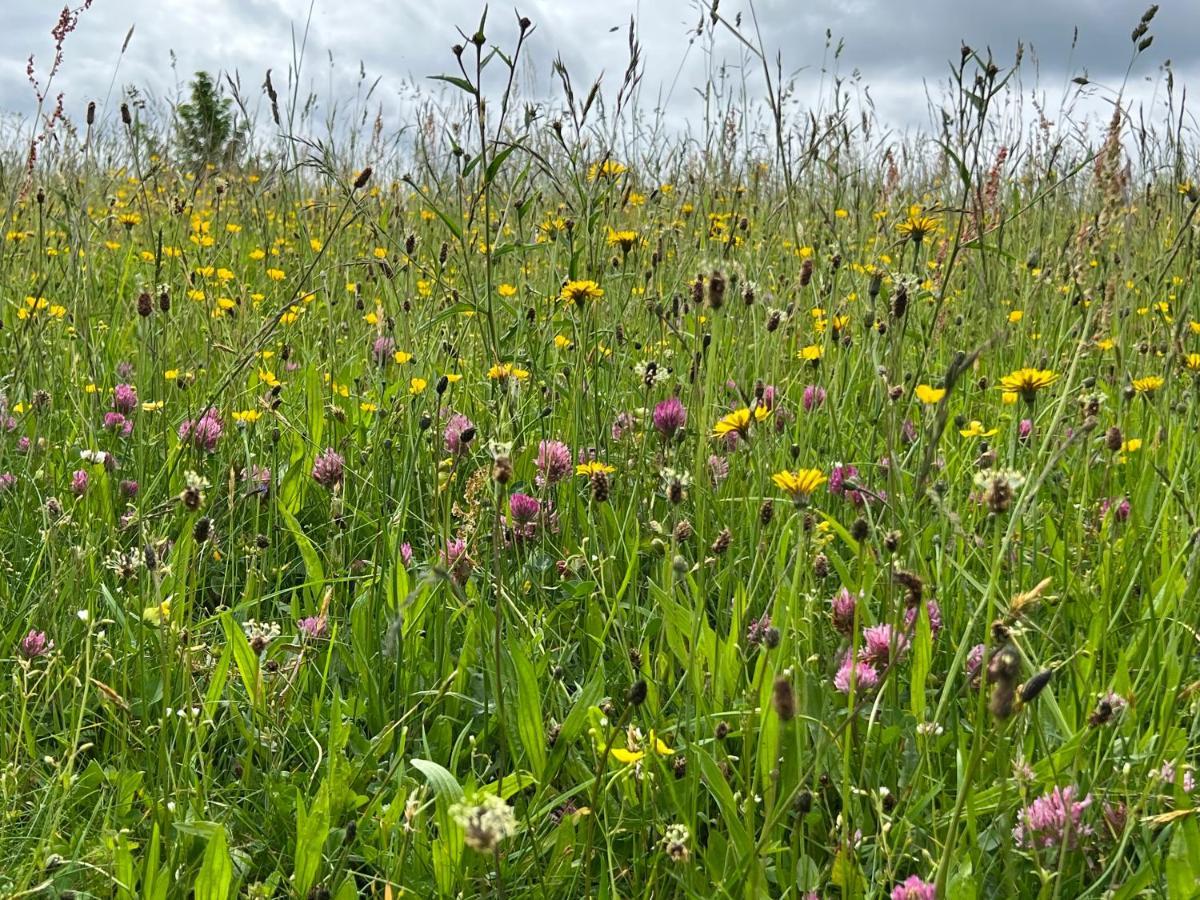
(628, 757)
(610, 169)
(401, 357)
(267, 377)
(1192, 362)
(506, 290)
(1131, 446)
(800, 484)
(738, 422)
(811, 353)
(595, 467)
(1147, 385)
(623, 239)
(562, 342)
(1105, 344)
(416, 385)
(502, 371)
(246, 416)
(917, 226)
(975, 429)
(275, 274)
(1015, 316)
(1027, 382)
(927, 394)
(579, 291)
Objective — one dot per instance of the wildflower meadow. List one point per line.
(548, 502)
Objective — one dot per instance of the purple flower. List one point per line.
(79, 483)
(1025, 430)
(814, 397)
(622, 425)
(1119, 508)
(718, 469)
(1054, 819)
(257, 480)
(1167, 774)
(7, 480)
(913, 888)
(757, 631)
(838, 476)
(116, 422)
(406, 555)
(865, 675)
(935, 617)
(669, 417)
(203, 433)
(459, 433)
(841, 609)
(382, 350)
(974, 663)
(314, 628)
(524, 509)
(128, 488)
(23, 444)
(328, 468)
(125, 399)
(769, 395)
(553, 462)
(456, 561)
(882, 644)
(35, 644)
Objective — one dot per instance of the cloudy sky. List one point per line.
(900, 49)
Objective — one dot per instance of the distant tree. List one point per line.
(204, 128)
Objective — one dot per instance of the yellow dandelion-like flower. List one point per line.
(1027, 382)
(917, 226)
(928, 394)
(800, 484)
(579, 291)
(1147, 385)
(503, 371)
(811, 353)
(1192, 362)
(609, 169)
(417, 385)
(623, 239)
(976, 429)
(739, 421)
(595, 467)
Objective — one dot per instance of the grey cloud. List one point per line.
(897, 47)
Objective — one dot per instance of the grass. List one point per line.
(303, 599)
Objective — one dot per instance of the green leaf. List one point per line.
(461, 83)
(216, 872)
(312, 830)
(529, 711)
(922, 660)
(246, 660)
(313, 569)
(448, 848)
(1183, 861)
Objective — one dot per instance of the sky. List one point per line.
(901, 50)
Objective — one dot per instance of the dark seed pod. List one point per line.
(637, 692)
(679, 766)
(363, 177)
(722, 542)
(722, 730)
(783, 698)
(1035, 685)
